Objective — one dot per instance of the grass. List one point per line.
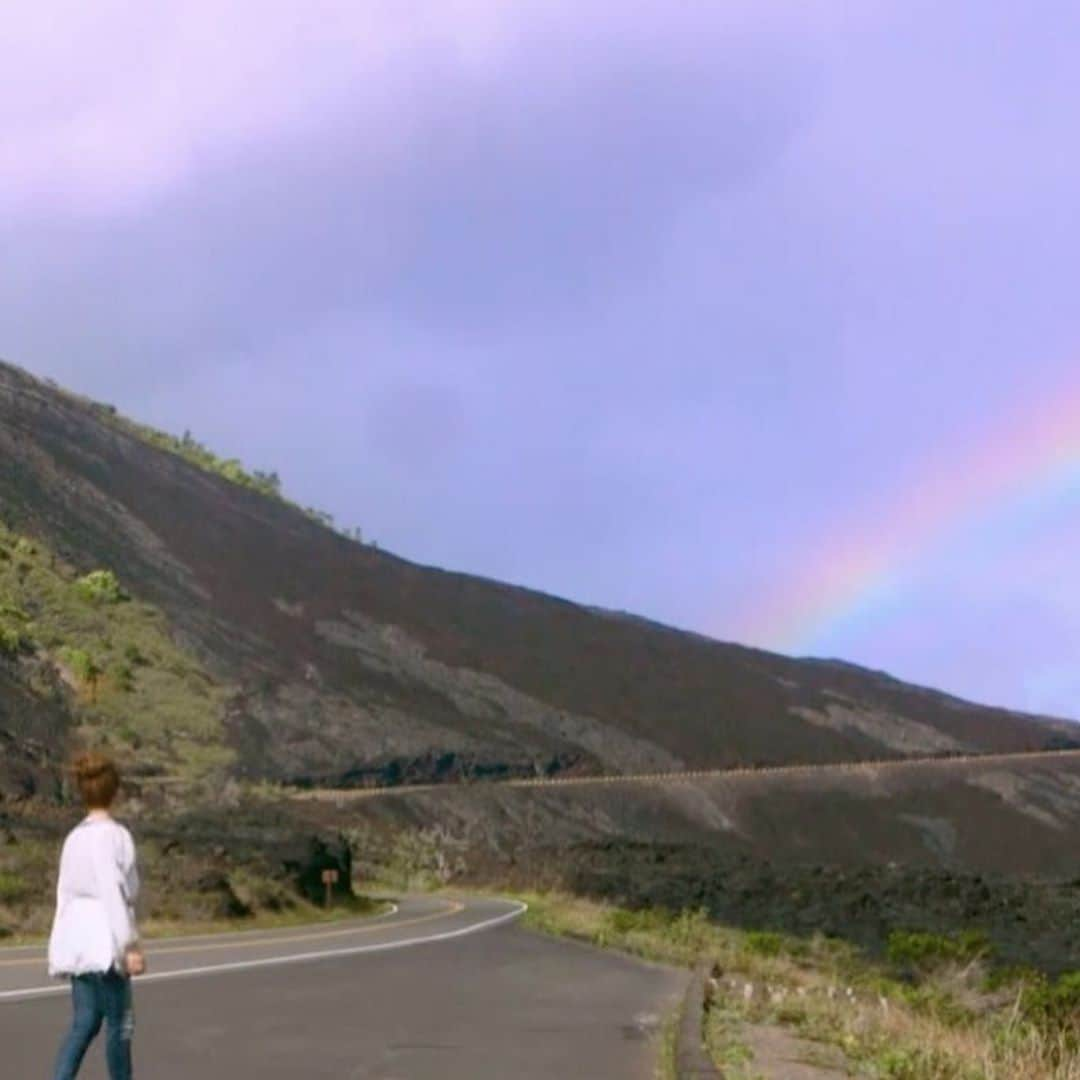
(129, 685)
(931, 1011)
(729, 1050)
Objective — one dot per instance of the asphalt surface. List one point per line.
(437, 990)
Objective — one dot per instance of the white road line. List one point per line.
(228, 937)
(279, 961)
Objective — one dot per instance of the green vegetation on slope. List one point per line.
(128, 684)
(193, 451)
(231, 469)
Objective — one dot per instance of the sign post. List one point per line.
(330, 879)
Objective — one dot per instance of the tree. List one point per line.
(268, 482)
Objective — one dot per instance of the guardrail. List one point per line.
(866, 767)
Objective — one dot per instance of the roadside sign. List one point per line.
(330, 878)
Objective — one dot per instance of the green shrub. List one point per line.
(100, 587)
(1055, 1006)
(12, 887)
(690, 929)
(12, 641)
(938, 1002)
(134, 655)
(124, 676)
(78, 660)
(925, 952)
(644, 920)
(83, 666)
(764, 943)
(1002, 975)
(15, 629)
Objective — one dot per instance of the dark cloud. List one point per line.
(631, 304)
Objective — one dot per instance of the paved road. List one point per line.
(437, 990)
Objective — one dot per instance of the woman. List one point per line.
(94, 941)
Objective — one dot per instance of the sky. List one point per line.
(750, 317)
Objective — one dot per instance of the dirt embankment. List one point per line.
(219, 863)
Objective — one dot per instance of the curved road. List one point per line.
(438, 989)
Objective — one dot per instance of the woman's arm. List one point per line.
(134, 961)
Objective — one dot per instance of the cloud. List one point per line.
(204, 177)
(666, 290)
(109, 107)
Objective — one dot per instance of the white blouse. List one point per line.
(95, 900)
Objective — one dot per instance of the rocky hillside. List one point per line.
(985, 845)
(179, 608)
(992, 815)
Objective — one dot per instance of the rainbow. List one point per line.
(1015, 473)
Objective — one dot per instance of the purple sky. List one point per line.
(639, 304)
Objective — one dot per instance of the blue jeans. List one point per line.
(98, 998)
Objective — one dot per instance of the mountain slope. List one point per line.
(325, 660)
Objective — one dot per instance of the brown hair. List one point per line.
(97, 779)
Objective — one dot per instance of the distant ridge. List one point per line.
(309, 657)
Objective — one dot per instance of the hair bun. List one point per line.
(97, 778)
(91, 765)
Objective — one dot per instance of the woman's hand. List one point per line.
(134, 961)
